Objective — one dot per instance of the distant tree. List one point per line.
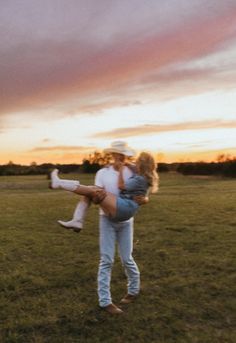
(162, 167)
(95, 161)
(99, 158)
(225, 166)
(223, 158)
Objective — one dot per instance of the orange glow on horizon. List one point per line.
(77, 158)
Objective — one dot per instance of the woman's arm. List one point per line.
(131, 166)
(141, 199)
(121, 182)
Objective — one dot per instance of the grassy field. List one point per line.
(184, 244)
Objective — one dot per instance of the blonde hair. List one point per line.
(147, 168)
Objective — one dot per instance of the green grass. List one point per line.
(184, 244)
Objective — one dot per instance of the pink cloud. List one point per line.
(62, 148)
(42, 72)
(143, 130)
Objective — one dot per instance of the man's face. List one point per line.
(118, 157)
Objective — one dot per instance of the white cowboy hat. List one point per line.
(120, 147)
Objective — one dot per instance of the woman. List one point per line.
(123, 207)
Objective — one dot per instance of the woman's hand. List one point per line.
(131, 166)
(121, 182)
(120, 166)
(141, 199)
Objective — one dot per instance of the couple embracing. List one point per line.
(120, 189)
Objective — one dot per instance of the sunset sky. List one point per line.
(76, 75)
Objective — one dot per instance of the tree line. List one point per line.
(89, 165)
(224, 166)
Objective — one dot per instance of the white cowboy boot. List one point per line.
(78, 217)
(68, 185)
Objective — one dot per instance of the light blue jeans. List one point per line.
(110, 233)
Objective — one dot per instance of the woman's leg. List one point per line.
(77, 221)
(71, 185)
(108, 204)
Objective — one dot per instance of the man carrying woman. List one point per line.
(112, 229)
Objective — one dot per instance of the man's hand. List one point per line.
(99, 195)
(141, 200)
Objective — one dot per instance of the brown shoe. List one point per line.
(112, 309)
(129, 298)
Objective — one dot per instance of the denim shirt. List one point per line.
(135, 185)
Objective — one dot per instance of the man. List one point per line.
(112, 232)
